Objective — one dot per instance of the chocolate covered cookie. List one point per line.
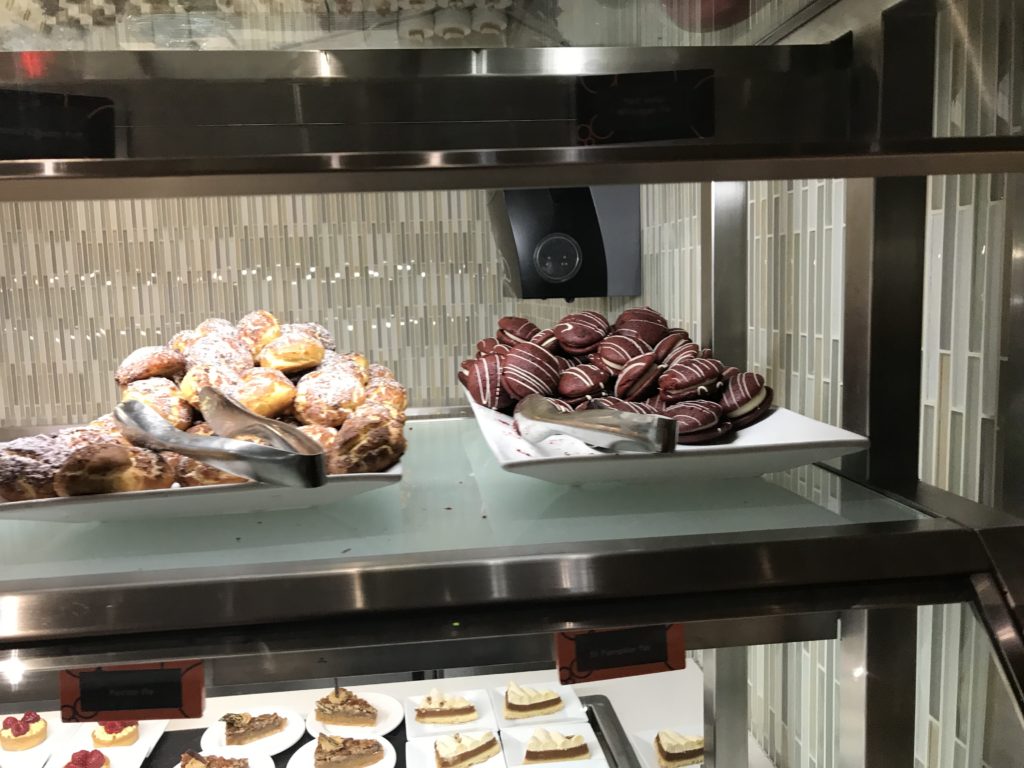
(694, 415)
(548, 340)
(483, 380)
(515, 330)
(690, 379)
(715, 432)
(530, 369)
(684, 351)
(615, 351)
(746, 399)
(668, 344)
(638, 377)
(581, 332)
(618, 404)
(582, 380)
(491, 346)
(642, 323)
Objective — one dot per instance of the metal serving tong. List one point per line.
(293, 459)
(537, 419)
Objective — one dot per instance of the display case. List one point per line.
(837, 584)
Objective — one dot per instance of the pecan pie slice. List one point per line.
(245, 728)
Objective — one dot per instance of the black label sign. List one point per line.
(647, 106)
(621, 648)
(122, 690)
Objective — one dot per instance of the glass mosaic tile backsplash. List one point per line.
(412, 279)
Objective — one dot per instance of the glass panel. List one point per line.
(453, 496)
(383, 24)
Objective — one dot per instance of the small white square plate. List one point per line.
(515, 740)
(304, 756)
(419, 753)
(572, 712)
(57, 735)
(132, 756)
(485, 716)
(389, 717)
(213, 737)
(643, 743)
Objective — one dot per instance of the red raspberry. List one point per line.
(19, 728)
(112, 726)
(9, 721)
(30, 717)
(95, 759)
(79, 757)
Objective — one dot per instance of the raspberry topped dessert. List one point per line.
(21, 733)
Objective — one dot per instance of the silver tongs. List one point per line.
(539, 419)
(292, 459)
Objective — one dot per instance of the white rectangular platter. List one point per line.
(201, 501)
(782, 440)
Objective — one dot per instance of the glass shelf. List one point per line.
(453, 497)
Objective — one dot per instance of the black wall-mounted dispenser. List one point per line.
(568, 243)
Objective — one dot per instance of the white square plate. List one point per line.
(133, 756)
(213, 737)
(57, 735)
(389, 717)
(572, 712)
(515, 740)
(485, 716)
(419, 753)
(782, 440)
(643, 743)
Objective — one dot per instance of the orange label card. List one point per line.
(607, 653)
(165, 690)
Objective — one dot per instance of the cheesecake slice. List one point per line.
(675, 750)
(444, 708)
(192, 759)
(342, 707)
(461, 750)
(552, 747)
(522, 702)
(115, 733)
(340, 752)
(245, 728)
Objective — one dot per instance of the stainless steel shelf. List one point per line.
(504, 168)
(461, 536)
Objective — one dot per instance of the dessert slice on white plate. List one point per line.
(461, 750)
(522, 702)
(551, 746)
(444, 708)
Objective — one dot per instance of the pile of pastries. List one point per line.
(290, 372)
(636, 364)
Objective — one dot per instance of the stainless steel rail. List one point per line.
(694, 566)
(485, 169)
